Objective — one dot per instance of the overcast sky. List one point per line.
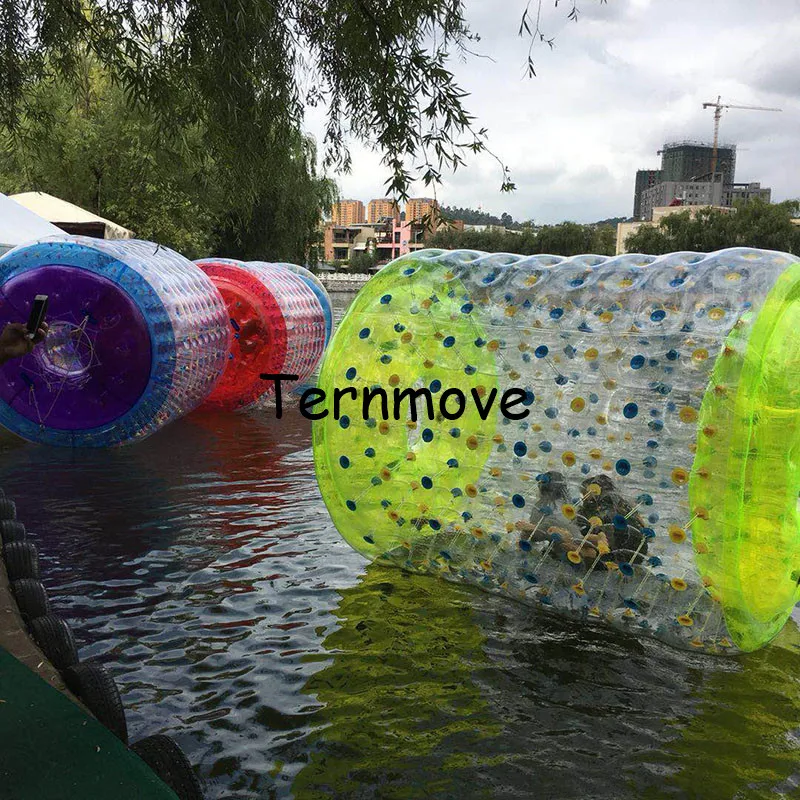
(627, 77)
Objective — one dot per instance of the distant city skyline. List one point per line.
(622, 81)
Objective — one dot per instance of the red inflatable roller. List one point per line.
(277, 323)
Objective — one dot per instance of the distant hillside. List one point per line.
(472, 216)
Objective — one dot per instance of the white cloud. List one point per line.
(630, 75)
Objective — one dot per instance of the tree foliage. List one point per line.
(106, 156)
(751, 224)
(244, 71)
(566, 239)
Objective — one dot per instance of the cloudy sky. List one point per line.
(630, 75)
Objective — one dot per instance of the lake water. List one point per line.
(201, 566)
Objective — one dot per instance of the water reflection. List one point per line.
(202, 567)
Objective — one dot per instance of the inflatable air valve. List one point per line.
(138, 337)
(653, 484)
(277, 326)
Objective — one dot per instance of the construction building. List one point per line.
(348, 212)
(381, 209)
(692, 161)
(645, 178)
(745, 191)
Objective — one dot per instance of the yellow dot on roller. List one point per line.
(493, 345)
(531, 280)
(596, 454)
(424, 507)
(568, 458)
(536, 427)
(578, 588)
(625, 283)
(386, 474)
(677, 534)
(606, 316)
(688, 414)
(611, 566)
(514, 375)
(480, 391)
(426, 303)
(394, 380)
(495, 472)
(680, 476)
(383, 428)
(499, 500)
(498, 438)
(574, 557)
(406, 337)
(591, 354)
(685, 620)
(472, 442)
(602, 419)
(607, 466)
(411, 425)
(733, 276)
(471, 490)
(595, 522)
(716, 314)
(568, 511)
(477, 533)
(701, 547)
(709, 431)
(394, 516)
(411, 456)
(701, 354)
(678, 584)
(610, 383)
(701, 512)
(511, 310)
(594, 489)
(577, 404)
(428, 364)
(510, 527)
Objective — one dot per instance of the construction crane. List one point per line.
(718, 106)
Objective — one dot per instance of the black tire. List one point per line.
(22, 560)
(56, 641)
(31, 598)
(93, 684)
(11, 530)
(8, 508)
(169, 762)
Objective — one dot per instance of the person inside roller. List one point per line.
(16, 342)
(602, 527)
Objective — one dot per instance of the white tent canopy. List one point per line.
(19, 225)
(67, 215)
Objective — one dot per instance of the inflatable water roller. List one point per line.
(653, 484)
(277, 326)
(138, 337)
(316, 286)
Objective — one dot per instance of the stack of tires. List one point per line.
(88, 680)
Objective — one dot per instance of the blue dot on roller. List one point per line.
(399, 327)
(626, 569)
(344, 462)
(630, 410)
(656, 425)
(561, 380)
(466, 308)
(369, 540)
(637, 362)
(370, 452)
(435, 524)
(593, 398)
(648, 533)
(344, 422)
(551, 413)
(654, 561)
(363, 333)
(426, 482)
(529, 398)
(672, 355)
(518, 500)
(469, 370)
(386, 299)
(658, 316)
(520, 448)
(556, 313)
(386, 359)
(449, 341)
(427, 435)
(409, 271)
(545, 447)
(541, 351)
(436, 385)
(351, 504)
(480, 342)
(623, 466)
(455, 432)
(351, 373)
(376, 481)
(370, 423)
(456, 492)
(452, 463)
(525, 546)
(620, 523)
